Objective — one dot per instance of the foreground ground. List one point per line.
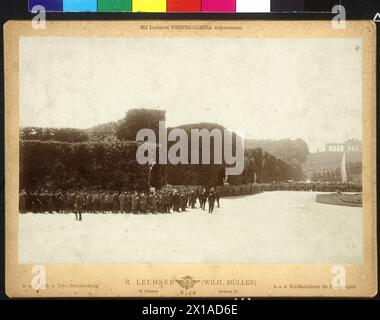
(272, 227)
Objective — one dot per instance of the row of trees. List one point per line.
(295, 152)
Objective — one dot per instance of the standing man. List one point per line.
(50, 202)
(76, 205)
(122, 200)
(115, 203)
(80, 204)
(22, 201)
(89, 207)
(203, 199)
(211, 200)
(217, 196)
(183, 200)
(128, 202)
(65, 201)
(161, 204)
(143, 203)
(43, 201)
(95, 202)
(58, 201)
(167, 198)
(103, 202)
(193, 199)
(153, 203)
(176, 201)
(33, 200)
(135, 203)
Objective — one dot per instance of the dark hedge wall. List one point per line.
(83, 165)
(207, 175)
(197, 174)
(259, 167)
(107, 161)
(113, 166)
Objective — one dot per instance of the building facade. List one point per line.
(351, 145)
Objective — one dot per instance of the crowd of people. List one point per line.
(253, 188)
(314, 186)
(168, 199)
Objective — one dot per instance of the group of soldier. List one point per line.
(254, 188)
(166, 200)
(313, 186)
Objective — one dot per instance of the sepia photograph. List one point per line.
(195, 146)
(301, 180)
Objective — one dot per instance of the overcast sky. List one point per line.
(271, 89)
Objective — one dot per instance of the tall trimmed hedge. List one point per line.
(198, 174)
(104, 157)
(137, 119)
(84, 165)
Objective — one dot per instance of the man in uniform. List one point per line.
(65, 201)
(183, 201)
(43, 203)
(95, 202)
(50, 202)
(135, 203)
(76, 204)
(143, 203)
(109, 201)
(167, 198)
(102, 202)
(22, 201)
(203, 199)
(73, 198)
(193, 198)
(176, 201)
(217, 196)
(79, 204)
(122, 198)
(89, 207)
(153, 203)
(211, 200)
(58, 201)
(128, 202)
(115, 203)
(36, 202)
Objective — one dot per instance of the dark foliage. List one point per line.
(92, 165)
(98, 158)
(137, 119)
(291, 151)
(104, 132)
(198, 174)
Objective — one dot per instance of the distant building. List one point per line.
(351, 145)
(326, 165)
